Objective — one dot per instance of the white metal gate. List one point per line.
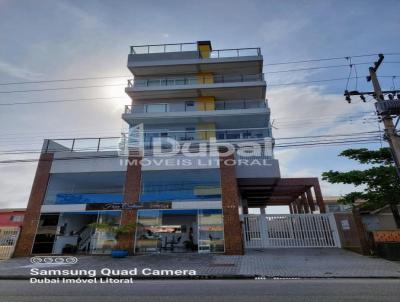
(292, 230)
(8, 240)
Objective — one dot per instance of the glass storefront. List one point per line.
(158, 231)
(72, 233)
(180, 231)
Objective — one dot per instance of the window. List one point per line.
(189, 106)
(17, 218)
(156, 108)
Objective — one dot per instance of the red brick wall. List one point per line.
(32, 215)
(230, 207)
(131, 196)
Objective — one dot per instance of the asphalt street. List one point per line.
(207, 290)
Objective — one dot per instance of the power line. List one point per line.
(127, 76)
(303, 144)
(65, 101)
(66, 80)
(359, 135)
(61, 88)
(321, 59)
(108, 85)
(267, 64)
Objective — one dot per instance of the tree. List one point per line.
(380, 179)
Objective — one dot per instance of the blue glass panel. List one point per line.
(88, 198)
(175, 192)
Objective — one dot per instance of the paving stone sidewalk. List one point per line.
(284, 263)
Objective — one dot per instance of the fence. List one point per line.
(8, 240)
(294, 230)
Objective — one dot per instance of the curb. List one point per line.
(205, 277)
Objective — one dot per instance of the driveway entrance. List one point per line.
(287, 231)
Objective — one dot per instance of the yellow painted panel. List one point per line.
(205, 78)
(205, 103)
(205, 51)
(210, 131)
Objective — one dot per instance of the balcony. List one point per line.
(227, 135)
(251, 86)
(185, 58)
(195, 112)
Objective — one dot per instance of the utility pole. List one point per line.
(386, 109)
(390, 129)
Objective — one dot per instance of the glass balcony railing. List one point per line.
(239, 134)
(236, 52)
(192, 106)
(195, 80)
(163, 48)
(103, 144)
(182, 47)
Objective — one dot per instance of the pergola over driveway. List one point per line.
(302, 195)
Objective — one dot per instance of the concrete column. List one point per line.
(304, 202)
(230, 207)
(300, 209)
(310, 200)
(318, 197)
(294, 208)
(290, 209)
(362, 235)
(131, 196)
(32, 215)
(245, 207)
(263, 210)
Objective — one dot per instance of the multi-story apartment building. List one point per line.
(199, 154)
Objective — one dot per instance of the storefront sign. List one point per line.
(125, 206)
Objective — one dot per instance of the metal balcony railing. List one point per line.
(195, 80)
(219, 105)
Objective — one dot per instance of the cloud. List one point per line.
(85, 19)
(275, 31)
(15, 187)
(18, 72)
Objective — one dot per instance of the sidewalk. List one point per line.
(283, 263)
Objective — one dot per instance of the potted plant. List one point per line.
(120, 233)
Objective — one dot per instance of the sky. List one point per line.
(50, 39)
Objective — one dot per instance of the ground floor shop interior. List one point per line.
(157, 231)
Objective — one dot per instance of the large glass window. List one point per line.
(180, 185)
(78, 188)
(156, 108)
(211, 231)
(104, 241)
(74, 233)
(177, 231)
(46, 234)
